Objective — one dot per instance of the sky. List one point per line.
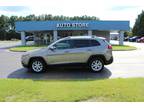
(103, 9)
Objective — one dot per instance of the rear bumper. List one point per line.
(109, 61)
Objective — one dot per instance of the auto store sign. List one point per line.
(72, 25)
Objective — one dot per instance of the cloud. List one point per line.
(14, 8)
(121, 8)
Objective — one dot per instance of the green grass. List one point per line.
(25, 48)
(123, 48)
(130, 89)
(28, 48)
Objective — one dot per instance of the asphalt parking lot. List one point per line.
(126, 64)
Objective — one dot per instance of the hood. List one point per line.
(37, 52)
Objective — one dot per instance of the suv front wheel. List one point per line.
(37, 65)
(96, 65)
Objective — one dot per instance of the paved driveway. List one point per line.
(7, 44)
(126, 64)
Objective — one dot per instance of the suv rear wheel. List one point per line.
(96, 65)
(37, 65)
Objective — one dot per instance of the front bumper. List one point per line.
(24, 65)
(24, 61)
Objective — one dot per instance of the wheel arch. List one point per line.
(36, 57)
(102, 57)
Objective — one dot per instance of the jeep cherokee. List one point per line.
(93, 51)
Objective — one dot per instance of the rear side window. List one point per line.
(80, 43)
(94, 43)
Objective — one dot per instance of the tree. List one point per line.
(138, 28)
(12, 21)
(126, 34)
(4, 26)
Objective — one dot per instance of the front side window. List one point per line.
(64, 44)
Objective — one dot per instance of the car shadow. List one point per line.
(61, 73)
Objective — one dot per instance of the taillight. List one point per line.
(109, 47)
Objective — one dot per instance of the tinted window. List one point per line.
(64, 44)
(80, 43)
(94, 43)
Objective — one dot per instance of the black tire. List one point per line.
(40, 63)
(96, 65)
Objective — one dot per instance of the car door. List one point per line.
(80, 51)
(59, 55)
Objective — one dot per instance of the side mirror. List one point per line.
(52, 48)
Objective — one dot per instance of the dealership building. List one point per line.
(49, 31)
